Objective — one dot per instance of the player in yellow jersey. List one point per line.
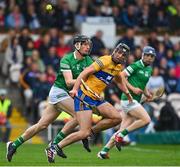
(97, 76)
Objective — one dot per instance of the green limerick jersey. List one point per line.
(138, 76)
(70, 63)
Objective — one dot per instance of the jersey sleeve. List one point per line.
(65, 64)
(131, 69)
(101, 63)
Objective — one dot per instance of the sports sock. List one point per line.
(19, 141)
(123, 133)
(60, 136)
(105, 150)
(57, 148)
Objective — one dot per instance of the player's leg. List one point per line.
(142, 119)
(67, 106)
(48, 116)
(126, 121)
(84, 120)
(111, 117)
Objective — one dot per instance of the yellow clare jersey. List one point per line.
(106, 69)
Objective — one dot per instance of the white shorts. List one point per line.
(126, 106)
(57, 94)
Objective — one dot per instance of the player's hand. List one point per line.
(149, 96)
(137, 91)
(73, 93)
(130, 98)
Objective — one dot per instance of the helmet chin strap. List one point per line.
(78, 46)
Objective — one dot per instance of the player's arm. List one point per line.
(65, 68)
(135, 90)
(121, 80)
(83, 75)
(69, 79)
(94, 67)
(129, 71)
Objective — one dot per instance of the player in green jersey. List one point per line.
(134, 115)
(71, 65)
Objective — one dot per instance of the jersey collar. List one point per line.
(142, 63)
(74, 55)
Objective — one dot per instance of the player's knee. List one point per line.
(147, 120)
(117, 120)
(42, 126)
(85, 133)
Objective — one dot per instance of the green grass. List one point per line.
(140, 155)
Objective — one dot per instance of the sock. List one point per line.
(123, 133)
(60, 136)
(57, 148)
(105, 150)
(92, 133)
(18, 142)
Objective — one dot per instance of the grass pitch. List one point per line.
(139, 155)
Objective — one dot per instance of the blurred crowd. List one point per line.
(67, 15)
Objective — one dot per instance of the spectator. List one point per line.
(168, 119)
(177, 70)
(32, 18)
(116, 14)
(36, 58)
(40, 93)
(50, 75)
(5, 113)
(2, 18)
(144, 17)
(130, 59)
(128, 39)
(54, 36)
(177, 51)
(24, 37)
(160, 52)
(171, 81)
(154, 8)
(65, 20)
(161, 20)
(156, 81)
(44, 46)
(129, 17)
(163, 67)
(153, 40)
(98, 44)
(106, 9)
(86, 4)
(28, 79)
(29, 48)
(15, 19)
(52, 58)
(137, 53)
(170, 59)
(80, 17)
(62, 48)
(167, 42)
(13, 55)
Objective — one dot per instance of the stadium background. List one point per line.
(34, 39)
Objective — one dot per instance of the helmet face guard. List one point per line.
(123, 49)
(78, 42)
